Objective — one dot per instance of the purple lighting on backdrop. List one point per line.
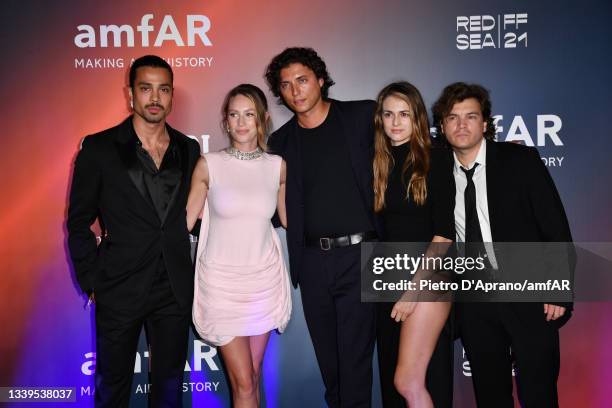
(271, 371)
(203, 399)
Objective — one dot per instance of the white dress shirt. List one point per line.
(482, 206)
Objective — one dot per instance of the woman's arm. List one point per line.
(280, 205)
(405, 306)
(197, 192)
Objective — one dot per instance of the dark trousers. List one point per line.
(439, 377)
(117, 333)
(494, 336)
(341, 327)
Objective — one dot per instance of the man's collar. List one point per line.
(481, 157)
(133, 137)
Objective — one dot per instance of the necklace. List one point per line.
(255, 154)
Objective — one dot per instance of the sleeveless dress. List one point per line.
(241, 281)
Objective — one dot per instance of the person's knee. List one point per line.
(408, 385)
(244, 383)
(257, 373)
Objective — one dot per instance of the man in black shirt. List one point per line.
(135, 178)
(328, 147)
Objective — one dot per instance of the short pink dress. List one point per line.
(241, 281)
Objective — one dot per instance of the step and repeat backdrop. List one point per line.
(64, 74)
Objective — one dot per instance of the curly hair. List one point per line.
(458, 92)
(305, 56)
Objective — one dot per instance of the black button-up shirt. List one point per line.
(161, 183)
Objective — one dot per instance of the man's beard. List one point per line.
(149, 118)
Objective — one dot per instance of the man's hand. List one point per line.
(553, 312)
(91, 300)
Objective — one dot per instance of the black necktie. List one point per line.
(474, 248)
(472, 225)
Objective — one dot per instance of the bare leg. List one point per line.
(418, 338)
(258, 348)
(237, 357)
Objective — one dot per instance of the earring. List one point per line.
(131, 103)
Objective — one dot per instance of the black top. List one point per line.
(404, 220)
(108, 183)
(332, 202)
(357, 124)
(161, 183)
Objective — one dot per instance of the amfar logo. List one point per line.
(202, 353)
(547, 130)
(547, 127)
(486, 31)
(197, 27)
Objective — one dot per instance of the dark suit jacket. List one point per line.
(357, 121)
(108, 183)
(524, 204)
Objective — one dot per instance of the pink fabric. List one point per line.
(241, 281)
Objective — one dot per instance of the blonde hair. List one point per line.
(255, 95)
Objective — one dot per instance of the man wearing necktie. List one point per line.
(504, 193)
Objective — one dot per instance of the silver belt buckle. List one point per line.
(325, 243)
(355, 239)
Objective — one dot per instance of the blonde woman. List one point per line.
(242, 289)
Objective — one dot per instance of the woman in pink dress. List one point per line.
(242, 289)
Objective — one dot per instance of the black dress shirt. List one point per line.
(161, 183)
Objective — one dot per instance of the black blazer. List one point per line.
(108, 184)
(524, 204)
(357, 122)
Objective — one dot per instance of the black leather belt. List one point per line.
(327, 243)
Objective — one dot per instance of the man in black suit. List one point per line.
(135, 178)
(328, 147)
(504, 193)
